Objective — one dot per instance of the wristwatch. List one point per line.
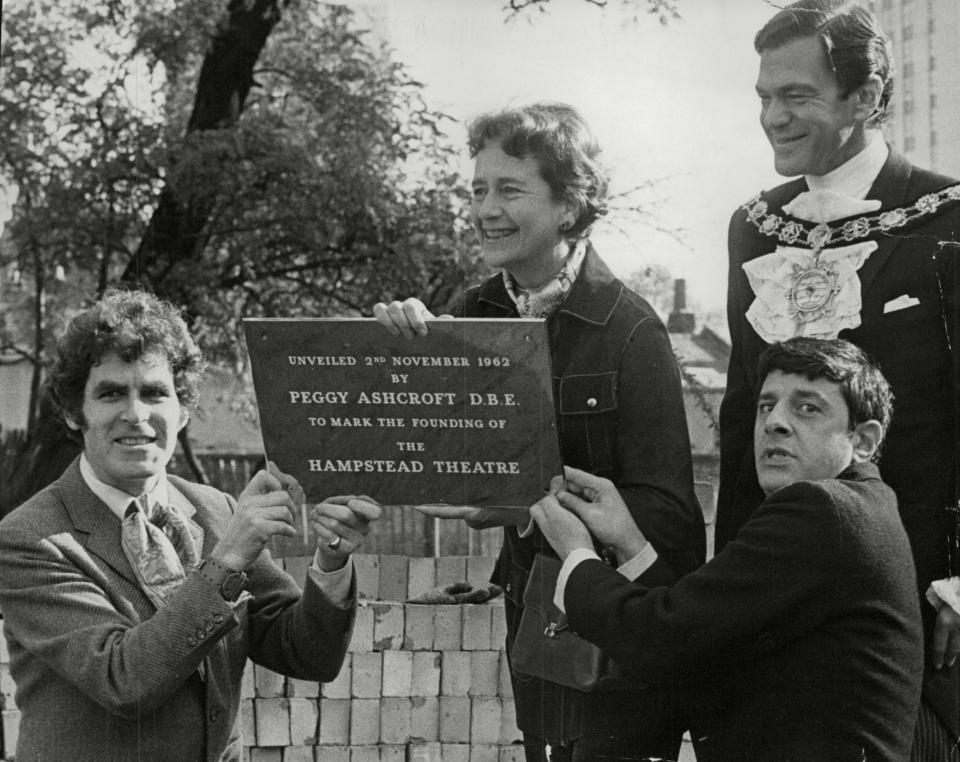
(229, 581)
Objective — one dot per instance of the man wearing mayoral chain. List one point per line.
(861, 246)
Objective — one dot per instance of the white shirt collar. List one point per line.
(117, 500)
(855, 176)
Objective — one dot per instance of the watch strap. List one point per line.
(228, 581)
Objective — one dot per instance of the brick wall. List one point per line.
(420, 683)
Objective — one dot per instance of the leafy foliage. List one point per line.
(334, 187)
(240, 157)
(194, 149)
(664, 11)
(82, 157)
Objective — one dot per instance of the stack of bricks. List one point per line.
(420, 683)
(10, 713)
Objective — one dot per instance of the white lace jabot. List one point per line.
(810, 292)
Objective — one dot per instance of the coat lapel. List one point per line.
(188, 511)
(92, 517)
(493, 293)
(593, 298)
(208, 521)
(595, 292)
(890, 189)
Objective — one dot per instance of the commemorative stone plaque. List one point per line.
(462, 416)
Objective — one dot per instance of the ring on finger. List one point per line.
(334, 543)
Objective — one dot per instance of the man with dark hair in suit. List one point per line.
(131, 598)
(862, 245)
(801, 639)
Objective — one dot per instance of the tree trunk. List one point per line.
(176, 230)
(39, 280)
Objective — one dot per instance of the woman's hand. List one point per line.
(407, 318)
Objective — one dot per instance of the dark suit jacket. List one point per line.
(800, 639)
(620, 414)
(101, 674)
(916, 349)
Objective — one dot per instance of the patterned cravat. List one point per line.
(158, 555)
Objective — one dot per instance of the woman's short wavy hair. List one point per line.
(130, 324)
(558, 138)
(855, 44)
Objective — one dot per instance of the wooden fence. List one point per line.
(400, 531)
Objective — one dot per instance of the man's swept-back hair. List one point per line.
(865, 390)
(130, 324)
(855, 44)
(558, 138)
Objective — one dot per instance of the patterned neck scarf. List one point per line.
(545, 299)
(158, 554)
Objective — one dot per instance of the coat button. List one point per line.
(592, 402)
(200, 633)
(218, 618)
(214, 716)
(191, 641)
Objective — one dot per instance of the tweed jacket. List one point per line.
(103, 675)
(620, 414)
(916, 348)
(800, 640)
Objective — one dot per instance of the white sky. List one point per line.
(674, 102)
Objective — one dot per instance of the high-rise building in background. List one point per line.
(925, 121)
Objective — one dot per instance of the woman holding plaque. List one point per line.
(537, 189)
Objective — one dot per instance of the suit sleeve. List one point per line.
(64, 610)
(776, 581)
(60, 607)
(299, 634)
(656, 469)
(735, 500)
(303, 636)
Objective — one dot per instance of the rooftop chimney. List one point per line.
(680, 321)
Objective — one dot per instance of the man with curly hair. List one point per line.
(131, 598)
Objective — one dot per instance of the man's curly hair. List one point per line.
(130, 324)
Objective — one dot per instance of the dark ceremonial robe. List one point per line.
(916, 348)
(801, 639)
